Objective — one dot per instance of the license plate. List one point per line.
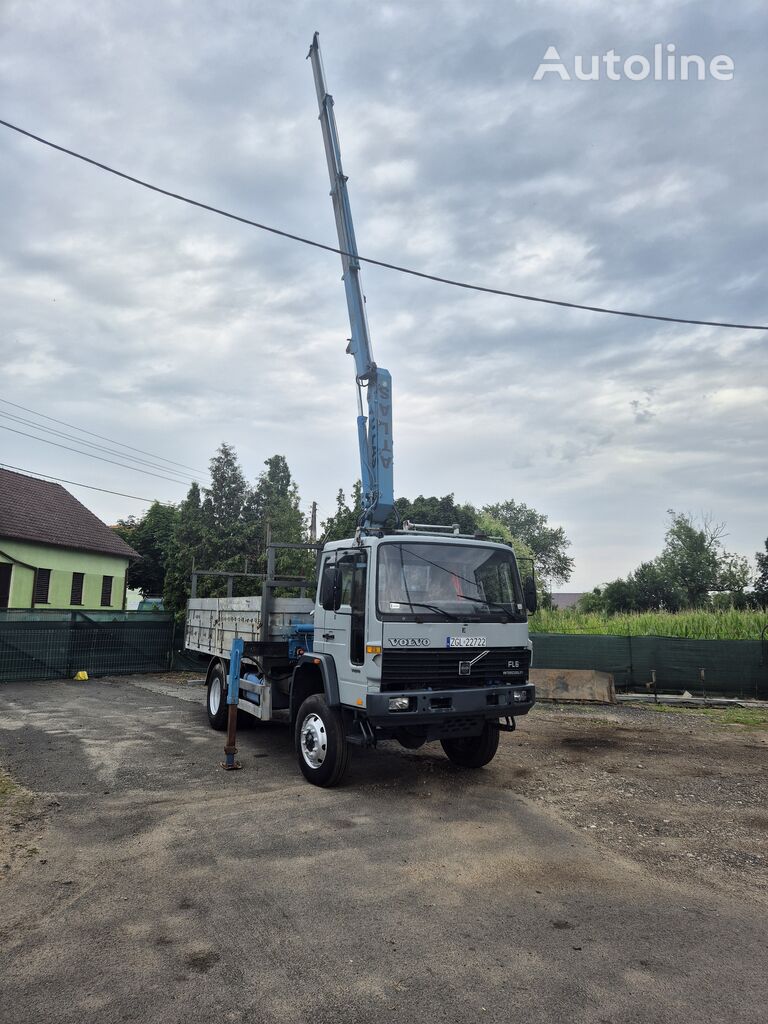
(466, 641)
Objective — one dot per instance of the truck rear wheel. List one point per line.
(474, 751)
(216, 702)
(321, 744)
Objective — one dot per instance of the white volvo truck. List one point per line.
(416, 633)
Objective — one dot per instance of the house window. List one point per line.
(106, 591)
(42, 585)
(76, 596)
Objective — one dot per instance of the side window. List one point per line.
(354, 574)
(350, 568)
(325, 583)
(359, 577)
(353, 568)
(347, 566)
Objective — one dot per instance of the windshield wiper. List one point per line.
(489, 604)
(433, 608)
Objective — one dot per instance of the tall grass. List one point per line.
(700, 625)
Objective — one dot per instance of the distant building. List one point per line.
(565, 600)
(54, 553)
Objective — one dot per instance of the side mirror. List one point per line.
(330, 588)
(531, 597)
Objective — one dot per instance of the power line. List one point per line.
(91, 455)
(378, 263)
(101, 437)
(110, 451)
(75, 483)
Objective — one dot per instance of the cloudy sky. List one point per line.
(171, 329)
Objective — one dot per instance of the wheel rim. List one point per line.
(314, 741)
(214, 697)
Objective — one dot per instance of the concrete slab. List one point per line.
(573, 684)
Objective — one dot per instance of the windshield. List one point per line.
(448, 581)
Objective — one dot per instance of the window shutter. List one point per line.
(76, 597)
(106, 591)
(42, 585)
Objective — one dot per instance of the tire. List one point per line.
(320, 741)
(216, 699)
(474, 751)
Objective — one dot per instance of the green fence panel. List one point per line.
(51, 645)
(734, 668)
(42, 644)
(603, 653)
(730, 667)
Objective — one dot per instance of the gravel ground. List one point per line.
(676, 791)
(608, 866)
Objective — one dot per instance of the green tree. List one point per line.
(492, 527)
(695, 562)
(223, 523)
(591, 603)
(185, 551)
(548, 543)
(343, 522)
(761, 578)
(692, 566)
(224, 529)
(619, 596)
(150, 536)
(273, 508)
(654, 589)
(438, 512)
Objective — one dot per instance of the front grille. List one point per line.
(439, 669)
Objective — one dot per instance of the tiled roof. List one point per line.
(566, 599)
(39, 511)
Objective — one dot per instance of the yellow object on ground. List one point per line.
(81, 676)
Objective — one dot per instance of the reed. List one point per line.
(703, 624)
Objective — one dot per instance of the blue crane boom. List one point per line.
(374, 430)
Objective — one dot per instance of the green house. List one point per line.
(54, 553)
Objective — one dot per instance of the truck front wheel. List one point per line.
(474, 751)
(321, 745)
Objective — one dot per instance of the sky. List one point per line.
(170, 329)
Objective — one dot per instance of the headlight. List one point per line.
(399, 703)
(520, 696)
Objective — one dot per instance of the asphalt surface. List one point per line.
(141, 882)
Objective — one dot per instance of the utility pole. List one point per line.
(313, 524)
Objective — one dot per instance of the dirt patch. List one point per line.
(22, 817)
(202, 960)
(589, 742)
(681, 792)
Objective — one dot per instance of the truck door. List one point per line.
(343, 631)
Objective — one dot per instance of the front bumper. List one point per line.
(429, 707)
